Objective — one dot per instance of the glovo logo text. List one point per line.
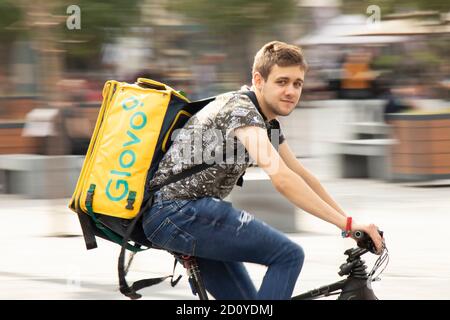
(127, 157)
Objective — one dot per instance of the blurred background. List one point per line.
(373, 121)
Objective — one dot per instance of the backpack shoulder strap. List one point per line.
(182, 175)
(252, 96)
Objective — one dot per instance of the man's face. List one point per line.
(282, 89)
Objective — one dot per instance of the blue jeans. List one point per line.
(222, 238)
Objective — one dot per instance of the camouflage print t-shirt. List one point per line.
(208, 136)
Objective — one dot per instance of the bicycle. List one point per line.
(356, 286)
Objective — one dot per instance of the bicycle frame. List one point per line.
(355, 287)
(351, 289)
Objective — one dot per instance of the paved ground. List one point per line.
(44, 257)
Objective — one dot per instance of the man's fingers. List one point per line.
(380, 246)
(377, 240)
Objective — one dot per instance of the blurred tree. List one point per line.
(10, 28)
(391, 6)
(234, 23)
(442, 6)
(234, 15)
(101, 22)
(10, 16)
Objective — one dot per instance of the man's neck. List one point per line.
(263, 107)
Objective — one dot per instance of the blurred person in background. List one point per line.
(399, 99)
(94, 91)
(191, 217)
(73, 92)
(357, 75)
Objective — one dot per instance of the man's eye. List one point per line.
(282, 82)
(298, 84)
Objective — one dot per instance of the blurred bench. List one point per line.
(13, 111)
(367, 155)
(16, 107)
(370, 130)
(12, 140)
(39, 176)
(365, 158)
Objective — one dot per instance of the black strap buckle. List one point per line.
(130, 201)
(90, 195)
(89, 198)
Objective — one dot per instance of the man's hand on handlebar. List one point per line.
(376, 236)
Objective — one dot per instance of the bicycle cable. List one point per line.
(381, 262)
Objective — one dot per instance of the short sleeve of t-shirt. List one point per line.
(238, 112)
(274, 131)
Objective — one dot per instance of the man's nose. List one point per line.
(290, 91)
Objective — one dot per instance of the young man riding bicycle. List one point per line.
(190, 216)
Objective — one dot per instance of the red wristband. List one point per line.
(348, 228)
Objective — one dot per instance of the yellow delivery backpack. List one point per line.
(133, 131)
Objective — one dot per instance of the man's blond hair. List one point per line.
(277, 53)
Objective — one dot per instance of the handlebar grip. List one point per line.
(364, 241)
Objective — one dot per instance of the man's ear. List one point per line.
(257, 80)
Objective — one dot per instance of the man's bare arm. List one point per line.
(286, 181)
(295, 165)
(292, 185)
